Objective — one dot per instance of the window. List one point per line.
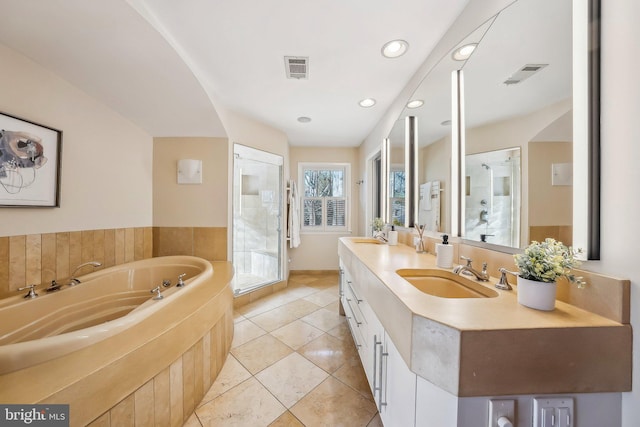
(396, 196)
(324, 194)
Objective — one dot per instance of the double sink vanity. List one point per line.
(430, 339)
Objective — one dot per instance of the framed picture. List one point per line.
(29, 163)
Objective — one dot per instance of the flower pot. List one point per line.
(538, 295)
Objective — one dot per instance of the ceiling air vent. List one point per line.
(297, 67)
(524, 73)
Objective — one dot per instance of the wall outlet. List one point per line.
(501, 408)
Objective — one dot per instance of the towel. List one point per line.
(294, 216)
(425, 196)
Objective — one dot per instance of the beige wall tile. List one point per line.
(17, 262)
(49, 258)
(119, 246)
(198, 383)
(98, 247)
(4, 265)
(75, 250)
(174, 241)
(162, 398)
(62, 255)
(156, 241)
(34, 258)
(87, 245)
(220, 244)
(188, 379)
(204, 242)
(129, 244)
(144, 406)
(138, 243)
(109, 248)
(177, 412)
(148, 242)
(123, 414)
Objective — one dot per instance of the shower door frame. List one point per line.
(277, 160)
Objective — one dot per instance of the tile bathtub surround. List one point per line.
(41, 258)
(292, 363)
(209, 243)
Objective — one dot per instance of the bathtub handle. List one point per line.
(180, 281)
(32, 293)
(156, 290)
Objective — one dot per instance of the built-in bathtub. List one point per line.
(106, 343)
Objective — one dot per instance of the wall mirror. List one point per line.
(521, 128)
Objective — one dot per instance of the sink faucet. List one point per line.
(482, 276)
(73, 281)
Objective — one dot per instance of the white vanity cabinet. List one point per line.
(392, 383)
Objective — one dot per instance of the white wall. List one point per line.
(620, 197)
(106, 160)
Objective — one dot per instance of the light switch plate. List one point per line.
(553, 412)
(501, 408)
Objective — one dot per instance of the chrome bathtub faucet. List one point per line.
(156, 290)
(32, 293)
(73, 281)
(180, 281)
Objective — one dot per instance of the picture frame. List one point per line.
(30, 160)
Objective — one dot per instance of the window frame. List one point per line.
(346, 168)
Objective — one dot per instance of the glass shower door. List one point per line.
(257, 215)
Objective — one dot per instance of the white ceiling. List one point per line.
(163, 70)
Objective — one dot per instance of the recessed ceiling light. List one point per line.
(394, 48)
(416, 103)
(367, 102)
(446, 123)
(303, 119)
(464, 52)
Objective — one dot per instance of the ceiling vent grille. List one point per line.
(297, 67)
(524, 73)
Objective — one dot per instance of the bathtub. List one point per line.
(96, 344)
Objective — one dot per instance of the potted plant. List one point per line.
(541, 264)
(377, 225)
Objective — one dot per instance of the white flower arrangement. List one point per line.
(377, 224)
(547, 261)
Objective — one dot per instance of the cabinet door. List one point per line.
(398, 395)
(435, 407)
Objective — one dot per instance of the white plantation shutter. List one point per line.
(325, 204)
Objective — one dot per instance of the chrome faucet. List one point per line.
(180, 281)
(503, 283)
(482, 276)
(157, 293)
(32, 293)
(73, 281)
(54, 286)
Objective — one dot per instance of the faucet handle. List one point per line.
(469, 260)
(32, 293)
(180, 281)
(503, 283)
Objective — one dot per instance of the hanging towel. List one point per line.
(425, 196)
(294, 216)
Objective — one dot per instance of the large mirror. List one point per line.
(520, 144)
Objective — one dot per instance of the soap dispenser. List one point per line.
(393, 236)
(444, 253)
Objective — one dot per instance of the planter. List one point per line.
(538, 295)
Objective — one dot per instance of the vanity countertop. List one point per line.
(492, 345)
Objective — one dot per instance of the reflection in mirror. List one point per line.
(518, 94)
(396, 175)
(492, 198)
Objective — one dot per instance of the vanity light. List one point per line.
(416, 103)
(394, 48)
(367, 102)
(464, 52)
(303, 119)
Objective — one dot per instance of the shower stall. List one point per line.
(257, 218)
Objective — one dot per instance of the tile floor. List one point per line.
(292, 363)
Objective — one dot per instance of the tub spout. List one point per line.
(73, 280)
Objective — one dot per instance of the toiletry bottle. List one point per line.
(393, 236)
(444, 253)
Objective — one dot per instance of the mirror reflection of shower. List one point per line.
(257, 216)
(492, 203)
